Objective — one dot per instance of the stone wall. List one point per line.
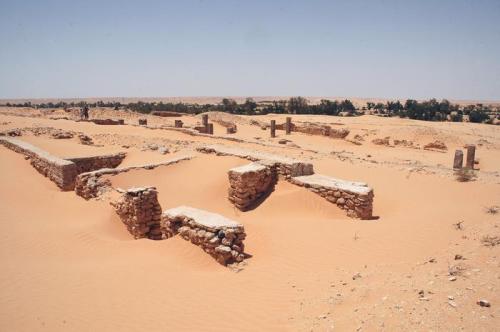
(220, 237)
(285, 167)
(88, 164)
(140, 211)
(92, 184)
(314, 129)
(167, 114)
(62, 172)
(354, 197)
(249, 184)
(108, 121)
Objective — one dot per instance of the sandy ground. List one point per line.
(70, 264)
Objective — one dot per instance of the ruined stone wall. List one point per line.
(92, 184)
(218, 236)
(108, 121)
(354, 197)
(140, 211)
(61, 172)
(88, 164)
(285, 167)
(315, 129)
(250, 183)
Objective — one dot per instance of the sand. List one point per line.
(70, 264)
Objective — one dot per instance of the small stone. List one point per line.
(452, 303)
(458, 257)
(484, 303)
(452, 278)
(450, 297)
(356, 276)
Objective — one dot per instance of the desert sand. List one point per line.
(69, 264)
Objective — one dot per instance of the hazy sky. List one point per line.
(373, 48)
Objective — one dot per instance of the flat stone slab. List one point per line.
(333, 183)
(29, 148)
(252, 167)
(203, 218)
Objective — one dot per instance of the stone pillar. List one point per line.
(471, 155)
(178, 123)
(210, 127)
(140, 211)
(273, 128)
(204, 118)
(458, 160)
(288, 125)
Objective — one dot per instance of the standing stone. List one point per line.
(210, 127)
(273, 128)
(178, 123)
(204, 118)
(471, 155)
(459, 159)
(288, 125)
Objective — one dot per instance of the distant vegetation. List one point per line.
(429, 110)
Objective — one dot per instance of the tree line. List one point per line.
(428, 110)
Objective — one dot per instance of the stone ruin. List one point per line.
(286, 167)
(470, 158)
(249, 184)
(354, 197)
(62, 172)
(94, 183)
(166, 114)
(309, 128)
(143, 122)
(88, 164)
(220, 237)
(106, 122)
(140, 211)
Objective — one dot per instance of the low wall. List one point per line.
(313, 129)
(354, 197)
(284, 166)
(62, 172)
(92, 184)
(249, 184)
(88, 164)
(220, 237)
(140, 211)
(108, 121)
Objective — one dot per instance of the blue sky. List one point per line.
(391, 49)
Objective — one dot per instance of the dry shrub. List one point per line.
(465, 175)
(490, 240)
(492, 210)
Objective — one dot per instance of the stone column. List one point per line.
(204, 118)
(140, 211)
(210, 127)
(288, 125)
(273, 128)
(471, 155)
(458, 160)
